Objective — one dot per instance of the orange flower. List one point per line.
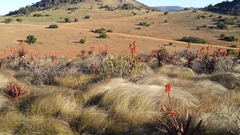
(163, 108)
(11, 74)
(32, 62)
(168, 87)
(172, 113)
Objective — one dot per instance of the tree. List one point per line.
(67, 20)
(31, 39)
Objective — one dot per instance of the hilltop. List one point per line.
(225, 7)
(110, 5)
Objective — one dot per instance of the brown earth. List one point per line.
(124, 25)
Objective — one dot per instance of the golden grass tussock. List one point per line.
(90, 119)
(176, 71)
(54, 102)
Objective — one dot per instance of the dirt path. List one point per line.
(38, 26)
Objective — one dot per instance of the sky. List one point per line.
(11, 5)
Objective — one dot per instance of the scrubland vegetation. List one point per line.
(88, 87)
(128, 93)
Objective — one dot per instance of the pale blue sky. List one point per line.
(11, 5)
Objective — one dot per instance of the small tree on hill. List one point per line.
(67, 20)
(31, 39)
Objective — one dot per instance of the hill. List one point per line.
(225, 7)
(89, 4)
(169, 8)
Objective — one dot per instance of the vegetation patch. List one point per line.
(144, 24)
(193, 40)
(53, 26)
(31, 39)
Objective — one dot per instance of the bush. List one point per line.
(37, 15)
(101, 30)
(9, 20)
(165, 21)
(109, 30)
(53, 26)
(193, 40)
(171, 43)
(75, 20)
(166, 13)
(195, 10)
(230, 38)
(19, 19)
(67, 20)
(144, 24)
(222, 25)
(232, 51)
(234, 46)
(87, 17)
(82, 41)
(103, 35)
(222, 35)
(238, 25)
(31, 39)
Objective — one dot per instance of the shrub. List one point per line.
(234, 46)
(238, 25)
(222, 25)
(101, 30)
(87, 17)
(220, 17)
(19, 19)
(9, 20)
(103, 35)
(171, 43)
(193, 40)
(67, 20)
(82, 41)
(109, 30)
(37, 15)
(222, 35)
(232, 51)
(53, 26)
(134, 13)
(165, 21)
(75, 20)
(230, 38)
(195, 10)
(166, 13)
(31, 39)
(144, 24)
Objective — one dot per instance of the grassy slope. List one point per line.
(117, 106)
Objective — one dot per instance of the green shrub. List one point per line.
(19, 19)
(67, 20)
(166, 13)
(53, 26)
(144, 24)
(222, 25)
(234, 46)
(87, 17)
(232, 51)
(9, 20)
(220, 17)
(193, 40)
(230, 38)
(31, 39)
(75, 20)
(171, 43)
(109, 30)
(103, 35)
(165, 21)
(37, 15)
(82, 41)
(222, 35)
(101, 30)
(195, 10)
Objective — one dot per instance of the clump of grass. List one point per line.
(53, 26)
(144, 24)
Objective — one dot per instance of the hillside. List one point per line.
(83, 4)
(169, 8)
(225, 7)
